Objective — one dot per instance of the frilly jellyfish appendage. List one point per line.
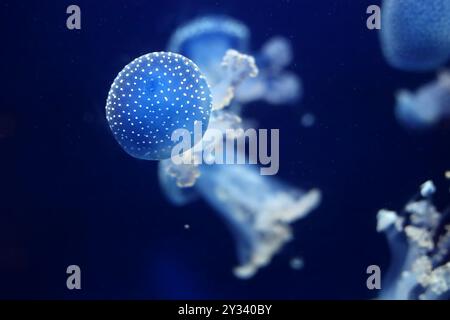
(428, 106)
(419, 241)
(259, 210)
(415, 35)
(175, 182)
(273, 84)
(151, 97)
(236, 68)
(206, 39)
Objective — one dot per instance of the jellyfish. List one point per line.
(238, 67)
(415, 35)
(153, 96)
(206, 40)
(419, 239)
(258, 209)
(428, 106)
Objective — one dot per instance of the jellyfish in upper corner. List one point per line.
(258, 209)
(206, 40)
(419, 239)
(153, 96)
(427, 107)
(415, 35)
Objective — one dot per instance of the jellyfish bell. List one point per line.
(153, 96)
(206, 39)
(415, 35)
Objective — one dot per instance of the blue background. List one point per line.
(70, 195)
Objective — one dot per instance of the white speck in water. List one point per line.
(297, 263)
(308, 120)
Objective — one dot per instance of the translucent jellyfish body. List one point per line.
(258, 209)
(428, 106)
(419, 240)
(206, 40)
(415, 35)
(153, 96)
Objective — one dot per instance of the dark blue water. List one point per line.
(70, 195)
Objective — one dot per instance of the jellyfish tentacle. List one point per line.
(419, 250)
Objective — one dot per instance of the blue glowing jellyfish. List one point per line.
(420, 242)
(207, 40)
(258, 209)
(428, 106)
(415, 34)
(153, 96)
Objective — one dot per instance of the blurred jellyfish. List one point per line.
(239, 67)
(207, 39)
(415, 35)
(419, 239)
(258, 209)
(428, 106)
(151, 97)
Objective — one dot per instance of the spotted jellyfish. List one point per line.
(258, 209)
(153, 96)
(428, 106)
(206, 40)
(415, 35)
(419, 239)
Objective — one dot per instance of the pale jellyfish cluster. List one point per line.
(258, 209)
(415, 35)
(206, 40)
(419, 239)
(427, 107)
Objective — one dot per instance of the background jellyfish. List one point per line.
(419, 239)
(207, 39)
(415, 35)
(428, 106)
(151, 97)
(258, 209)
(237, 67)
